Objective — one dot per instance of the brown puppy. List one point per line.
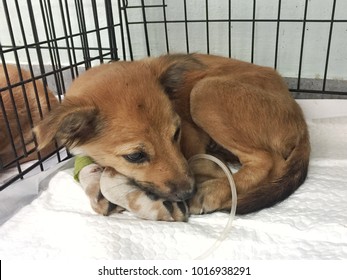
(19, 111)
(146, 118)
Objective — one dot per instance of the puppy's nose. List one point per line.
(181, 190)
(184, 195)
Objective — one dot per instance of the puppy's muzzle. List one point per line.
(181, 190)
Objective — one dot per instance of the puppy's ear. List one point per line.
(70, 124)
(173, 78)
(174, 75)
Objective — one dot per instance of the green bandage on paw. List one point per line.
(80, 162)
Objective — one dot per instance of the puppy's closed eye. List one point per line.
(137, 157)
(177, 134)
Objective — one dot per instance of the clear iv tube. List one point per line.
(227, 228)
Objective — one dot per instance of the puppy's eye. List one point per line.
(138, 157)
(177, 134)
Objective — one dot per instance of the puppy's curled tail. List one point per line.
(267, 195)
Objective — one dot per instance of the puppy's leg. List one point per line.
(232, 114)
(212, 193)
(89, 178)
(121, 191)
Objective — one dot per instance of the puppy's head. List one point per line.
(119, 115)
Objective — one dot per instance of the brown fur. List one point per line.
(28, 115)
(176, 106)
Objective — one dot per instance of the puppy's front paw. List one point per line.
(89, 175)
(102, 206)
(89, 178)
(209, 198)
(152, 208)
(121, 191)
(174, 211)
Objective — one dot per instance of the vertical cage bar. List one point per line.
(97, 30)
(65, 19)
(55, 49)
(253, 31)
(329, 45)
(70, 35)
(166, 28)
(277, 32)
(229, 28)
(302, 44)
(207, 29)
(125, 6)
(121, 29)
(111, 31)
(145, 28)
(83, 33)
(87, 48)
(186, 25)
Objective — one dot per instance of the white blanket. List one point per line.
(311, 224)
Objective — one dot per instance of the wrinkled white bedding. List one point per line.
(311, 224)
